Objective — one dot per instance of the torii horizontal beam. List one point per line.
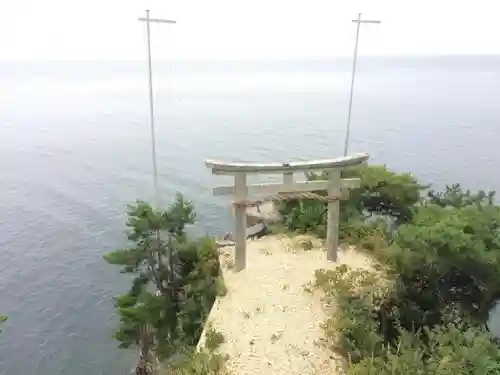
(276, 188)
(220, 168)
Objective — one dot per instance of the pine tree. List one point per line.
(149, 310)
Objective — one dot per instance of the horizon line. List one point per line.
(258, 59)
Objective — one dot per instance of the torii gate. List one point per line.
(241, 191)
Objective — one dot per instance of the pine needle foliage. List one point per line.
(173, 282)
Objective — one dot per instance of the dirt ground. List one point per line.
(270, 324)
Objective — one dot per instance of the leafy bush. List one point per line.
(382, 193)
(442, 253)
(356, 330)
(304, 216)
(449, 350)
(443, 248)
(445, 259)
(357, 295)
(447, 256)
(370, 235)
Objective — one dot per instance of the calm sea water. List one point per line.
(75, 149)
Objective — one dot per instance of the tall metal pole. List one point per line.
(145, 350)
(147, 19)
(348, 128)
(151, 112)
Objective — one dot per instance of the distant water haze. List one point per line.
(75, 149)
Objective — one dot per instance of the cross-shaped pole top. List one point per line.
(359, 20)
(156, 20)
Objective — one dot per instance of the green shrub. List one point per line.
(356, 330)
(198, 363)
(442, 253)
(304, 216)
(372, 235)
(213, 339)
(382, 193)
(447, 256)
(353, 329)
(449, 350)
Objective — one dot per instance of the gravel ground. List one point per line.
(270, 324)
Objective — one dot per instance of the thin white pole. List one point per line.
(148, 20)
(151, 113)
(348, 127)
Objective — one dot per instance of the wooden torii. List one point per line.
(240, 190)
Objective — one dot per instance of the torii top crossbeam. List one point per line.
(220, 168)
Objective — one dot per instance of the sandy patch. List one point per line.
(270, 324)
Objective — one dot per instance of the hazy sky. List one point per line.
(238, 29)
